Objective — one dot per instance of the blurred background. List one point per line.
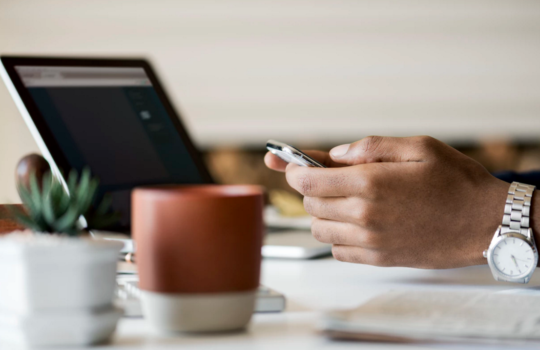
(311, 73)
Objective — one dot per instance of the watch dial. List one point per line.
(513, 257)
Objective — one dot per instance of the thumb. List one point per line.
(385, 149)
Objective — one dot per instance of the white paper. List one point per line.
(442, 315)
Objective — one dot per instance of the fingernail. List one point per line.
(339, 151)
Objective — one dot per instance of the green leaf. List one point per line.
(60, 198)
(35, 192)
(89, 196)
(48, 200)
(26, 198)
(82, 189)
(53, 209)
(67, 223)
(72, 182)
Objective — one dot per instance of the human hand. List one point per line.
(413, 202)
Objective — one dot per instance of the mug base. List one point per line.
(191, 313)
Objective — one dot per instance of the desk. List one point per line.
(310, 287)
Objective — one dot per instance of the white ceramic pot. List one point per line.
(48, 273)
(44, 275)
(63, 328)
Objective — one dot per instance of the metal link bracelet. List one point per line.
(517, 209)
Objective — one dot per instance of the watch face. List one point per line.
(513, 257)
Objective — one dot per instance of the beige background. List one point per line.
(302, 71)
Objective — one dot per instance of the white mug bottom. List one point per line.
(212, 312)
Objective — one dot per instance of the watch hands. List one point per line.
(515, 262)
(521, 259)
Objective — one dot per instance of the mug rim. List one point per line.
(207, 190)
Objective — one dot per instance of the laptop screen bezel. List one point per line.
(50, 142)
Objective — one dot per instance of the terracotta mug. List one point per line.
(198, 255)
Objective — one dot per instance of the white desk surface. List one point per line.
(310, 287)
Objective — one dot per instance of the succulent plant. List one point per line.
(51, 209)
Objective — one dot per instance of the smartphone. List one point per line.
(291, 154)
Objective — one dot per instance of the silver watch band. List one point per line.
(517, 209)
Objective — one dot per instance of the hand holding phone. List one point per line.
(291, 154)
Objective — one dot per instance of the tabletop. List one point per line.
(311, 287)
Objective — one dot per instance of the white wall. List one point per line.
(302, 71)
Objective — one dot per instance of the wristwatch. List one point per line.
(512, 255)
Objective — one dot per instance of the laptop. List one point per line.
(114, 116)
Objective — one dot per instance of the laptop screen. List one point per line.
(112, 120)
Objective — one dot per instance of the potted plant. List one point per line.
(57, 284)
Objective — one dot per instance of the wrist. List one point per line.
(535, 216)
(492, 201)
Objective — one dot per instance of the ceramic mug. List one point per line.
(198, 255)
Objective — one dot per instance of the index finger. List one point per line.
(328, 182)
(275, 163)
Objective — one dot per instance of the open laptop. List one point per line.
(114, 116)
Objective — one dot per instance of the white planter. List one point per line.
(48, 273)
(62, 277)
(68, 328)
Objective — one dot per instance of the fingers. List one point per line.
(344, 209)
(275, 163)
(360, 255)
(386, 149)
(329, 182)
(343, 233)
(363, 180)
(370, 149)
(353, 244)
(323, 158)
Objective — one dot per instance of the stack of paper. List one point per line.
(438, 315)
